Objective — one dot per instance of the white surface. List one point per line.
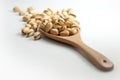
(24, 59)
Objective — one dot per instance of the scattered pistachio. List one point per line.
(16, 9)
(30, 33)
(25, 30)
(26, 18)
(31, 9)
(37, 35)
(22, 13)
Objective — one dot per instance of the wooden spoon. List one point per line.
(99, 60)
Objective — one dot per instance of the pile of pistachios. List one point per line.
(60, 23)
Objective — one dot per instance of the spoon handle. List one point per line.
(99, 60)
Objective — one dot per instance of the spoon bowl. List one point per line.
(99, 60)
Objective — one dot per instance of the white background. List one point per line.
(25, 59)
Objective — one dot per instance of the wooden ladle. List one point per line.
(99, 60)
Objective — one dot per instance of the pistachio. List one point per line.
(54, 31)
(64, 33)
(37, 35)
(25, 30)
(28, 25)
(26, 18)
(31, 9)
(30, 33)
(22, 13)
(48, 27)
(16, 9)
(73, 31)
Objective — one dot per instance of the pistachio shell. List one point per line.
(64, 33)
(54, 31)
(48, 27)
